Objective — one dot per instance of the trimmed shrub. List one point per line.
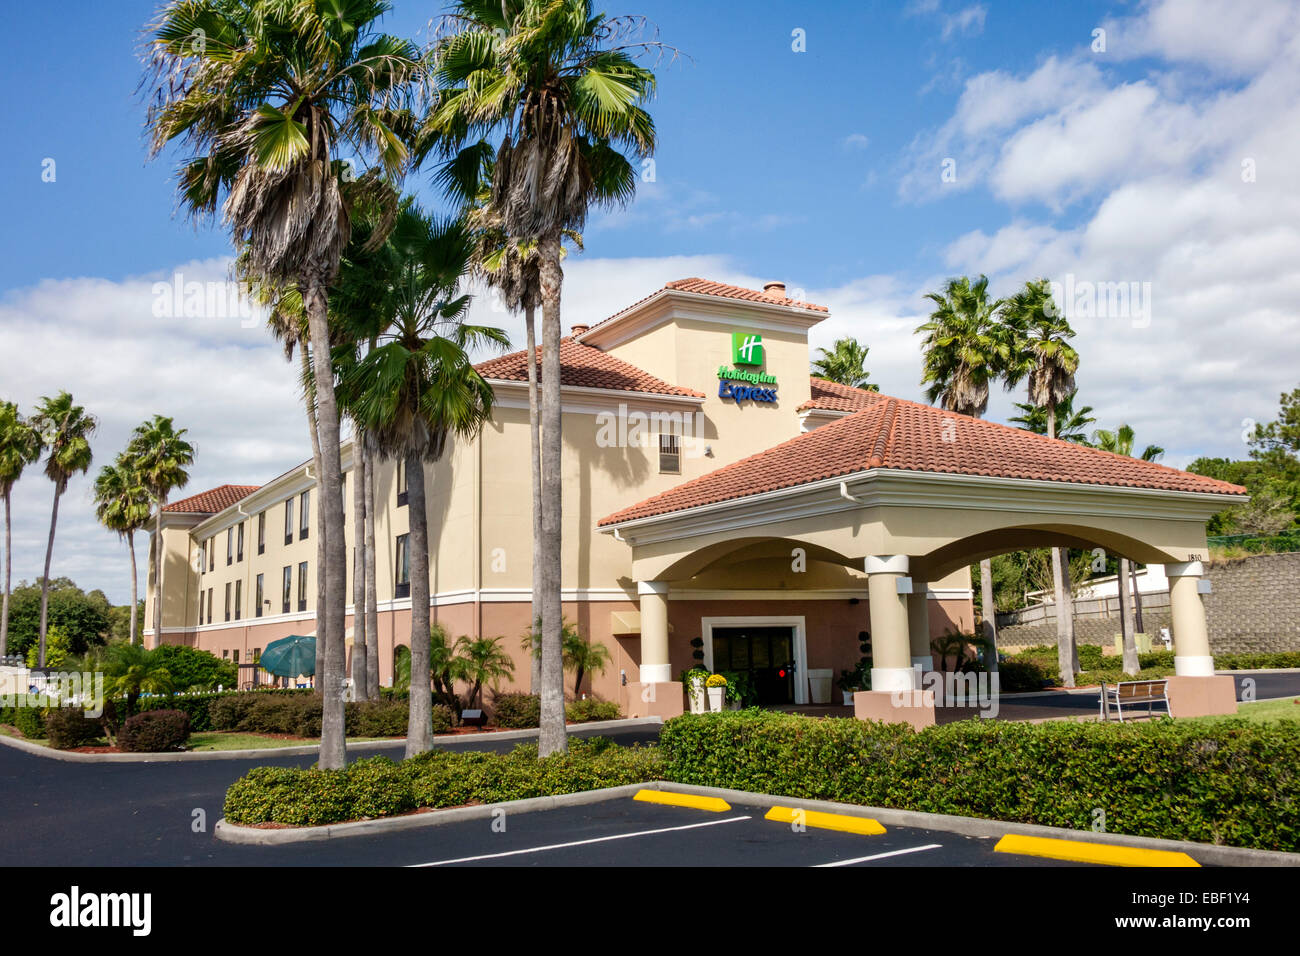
(439, 778)
(28, 721)
(154, 731)
(517, 711)
(1017, 677)
(69, 727)
(1228, 782)
(581, 711)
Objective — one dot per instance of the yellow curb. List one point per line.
(1078, 851)
(826, 821)
(712, 804)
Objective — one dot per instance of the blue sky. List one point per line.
(821, 168)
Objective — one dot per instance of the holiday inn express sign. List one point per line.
(746, 384)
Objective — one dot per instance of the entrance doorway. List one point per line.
(766, 654)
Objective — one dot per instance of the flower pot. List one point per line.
(716, 696)
(848, 697)
(695, 693)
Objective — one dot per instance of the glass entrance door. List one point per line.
(766, 654)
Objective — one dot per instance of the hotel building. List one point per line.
(712, 489)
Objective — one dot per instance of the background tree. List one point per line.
(484, 661)
(965, 348)
(65, 428)
(418, 389)
(554, 85)
(131, 670)
(298, 82)
(122, 504)
(583, 658)
(1042, 353)
(1071, 425)
(846, 363)
(160, 455)
(20, 446)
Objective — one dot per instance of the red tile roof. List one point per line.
(834, 397)
(720, 289)
(893, 433)
(212, 501)
(585, 367)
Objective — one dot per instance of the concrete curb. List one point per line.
(964, 826)
(625, 723)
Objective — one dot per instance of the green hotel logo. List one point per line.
(746, 348)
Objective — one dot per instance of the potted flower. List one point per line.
(848, 683)
(717, 689)
(693, 680)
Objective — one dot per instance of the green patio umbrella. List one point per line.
(290, 656)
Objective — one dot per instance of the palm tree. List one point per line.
(265, 104)
(1071, 425)
(1042, 353)
(20, 446)
(1120, 442)
(583, 657)
(65, 428)
(418, 388)
(122, 504)
(552, 82)
(964, 349)
(160, 454)
(133, 669)
(482, 662)
(845, 363)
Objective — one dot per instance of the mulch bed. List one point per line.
(407, 813)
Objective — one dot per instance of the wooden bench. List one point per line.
(1131, 693)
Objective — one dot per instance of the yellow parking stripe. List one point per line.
(712, 804)
(1079, 851)
(826, 821)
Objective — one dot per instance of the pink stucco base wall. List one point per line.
(831, 627)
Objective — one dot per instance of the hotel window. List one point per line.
(234, 656)
(212, 553)
(239, 598)
(403, 566)
(401, 483)
(203, 564)
(210, 603)
(288, 521)
(239, 546)
(227, 600)
(230, 545)
(670, 457)
(304, 519)
(257, 611)
(261, 533)
(302, 585)
(201, 607)
(225, 653)
(288, 588)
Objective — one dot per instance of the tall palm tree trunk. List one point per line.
(551, 736)
(9, 567)
(419, 732)
(45, 580)
(130, 545)
(360, 649)
(990, 611)
(372, 586)
(333, 747)
(1065, 658)
(313, 430)
(158, 572)
(535, 438)
(1127, 638)
(1137, 600)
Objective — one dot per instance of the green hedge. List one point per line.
(198, 706)
(154, 731)
(1229, 782)
(517, 711)
(300, 716)
(28, 721)
(581, 711)
(379, 787)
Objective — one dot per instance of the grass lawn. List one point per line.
(220, 740)
(1286, 709)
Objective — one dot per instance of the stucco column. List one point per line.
(918, 625)
(890, 643)
(1187, 615)
(655, 666)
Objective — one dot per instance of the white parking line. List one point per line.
(562, 846)
(881, 856)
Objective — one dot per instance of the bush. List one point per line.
(1226, 783)
(69, 727)
(439, 778)
(581, 711)
(154, 731)
(193, 667)
(1018, 677)
(28, 721)
(517, 710)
